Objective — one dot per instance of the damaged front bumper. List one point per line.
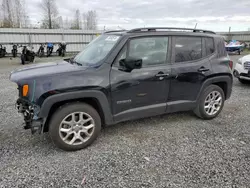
(30, 112)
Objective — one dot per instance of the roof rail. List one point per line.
(111, 31)
(168, 28)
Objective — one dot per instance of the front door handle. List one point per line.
(203, 69)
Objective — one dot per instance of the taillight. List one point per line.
(231, 64)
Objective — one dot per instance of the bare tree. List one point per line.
(21, 14)
(25, 21)
(84, 21)
(18, 13)
(90, 20)
(66, 24)
(60, 22)
(7, 13)
(76, 23)
(50, 13)
(13, 13)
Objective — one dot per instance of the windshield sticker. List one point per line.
(112, 38)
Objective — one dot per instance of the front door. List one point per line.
(142, 92)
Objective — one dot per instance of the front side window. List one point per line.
(188, 49)
(152, 50)
(96, 50)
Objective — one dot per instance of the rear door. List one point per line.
(190, 67)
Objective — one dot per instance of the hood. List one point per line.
(245, 58)
(43, 69)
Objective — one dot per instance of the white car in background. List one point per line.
(242, 69)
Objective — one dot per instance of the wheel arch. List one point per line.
(224, 82)
(96, 99)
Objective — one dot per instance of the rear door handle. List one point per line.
(203, 69)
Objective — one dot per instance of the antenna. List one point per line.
(195, 25)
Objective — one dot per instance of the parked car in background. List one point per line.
(125, 75)
(242, 69)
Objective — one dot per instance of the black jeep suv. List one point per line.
(125, 75)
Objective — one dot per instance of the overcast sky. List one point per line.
(216, 15)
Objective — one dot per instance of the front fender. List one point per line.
(98, 95)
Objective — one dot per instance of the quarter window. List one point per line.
(188, 49)
(209, 46)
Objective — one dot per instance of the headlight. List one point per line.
(240, 61)
(25, 90)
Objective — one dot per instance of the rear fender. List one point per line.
(224, 79)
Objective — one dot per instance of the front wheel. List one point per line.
(74, 126)
(210, 103)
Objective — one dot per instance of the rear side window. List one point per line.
(221, 48)
(209, 42)
(187, 49)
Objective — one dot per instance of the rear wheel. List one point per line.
(210, 103)
(74, 126)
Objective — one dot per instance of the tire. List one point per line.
(243, 81)
(32, 58)
(64, 113)
(14, 53)
(22, 59)
(200, 109)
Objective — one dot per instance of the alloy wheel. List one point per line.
(76, 128)
(213, 103)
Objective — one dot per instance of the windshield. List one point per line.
(96, 50)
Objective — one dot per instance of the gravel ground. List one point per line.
(175, 150)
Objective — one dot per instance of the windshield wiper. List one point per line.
(72, 61)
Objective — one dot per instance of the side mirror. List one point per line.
(129, 64)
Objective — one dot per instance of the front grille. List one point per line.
(247, 65)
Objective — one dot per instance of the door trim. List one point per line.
(141, 112)
(180, 106)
